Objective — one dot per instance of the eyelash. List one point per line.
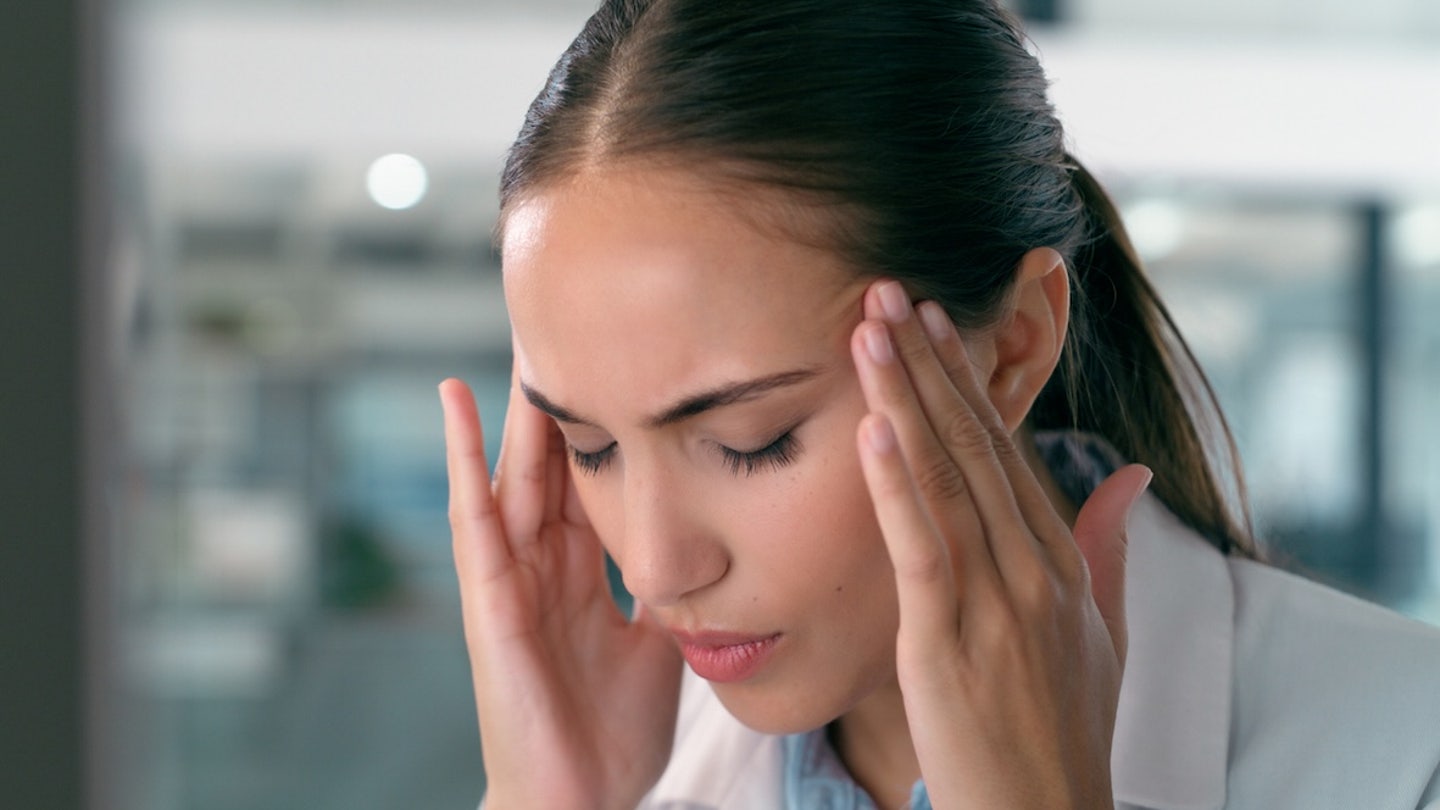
(778, 453)
(593, 463)
(774, 455)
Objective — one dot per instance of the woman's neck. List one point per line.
(873, 741)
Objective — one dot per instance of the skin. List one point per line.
(929, 585)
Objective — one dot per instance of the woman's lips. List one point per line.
(725, 657)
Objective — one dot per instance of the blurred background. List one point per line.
(282, 211)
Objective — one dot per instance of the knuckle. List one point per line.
(1003, 444)
(1000, 631)
(458, 514)
(941, 479)
(913, 346)
(966, 434)
(924, 567)
(469, 455)
(534, 472)
(476, 515)
(1072, 571)
(1036, 592)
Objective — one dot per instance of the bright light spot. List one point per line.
(1156, 227)
(396, 181)
(1417, 235)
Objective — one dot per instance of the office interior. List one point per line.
(229, 581)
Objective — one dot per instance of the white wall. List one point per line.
(311, 85)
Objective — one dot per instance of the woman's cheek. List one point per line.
(603, 508)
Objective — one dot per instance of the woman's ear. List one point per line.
(1028, 342)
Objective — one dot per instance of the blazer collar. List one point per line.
(1172, 733)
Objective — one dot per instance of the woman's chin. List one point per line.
(776, 710)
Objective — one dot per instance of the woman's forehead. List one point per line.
(648, 280)
(667, 248)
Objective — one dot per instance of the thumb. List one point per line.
(1100, 535)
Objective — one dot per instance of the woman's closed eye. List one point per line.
(591, 463)
(776, 454)
(780, 452)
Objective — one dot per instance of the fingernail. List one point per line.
(894, 302)
(1149, 476)
(880, 435)
(877, 342)
(937, 323)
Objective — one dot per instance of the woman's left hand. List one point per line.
(1012, 626)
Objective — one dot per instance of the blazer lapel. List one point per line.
(1172, 732)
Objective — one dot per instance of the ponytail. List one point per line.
(1128, 376)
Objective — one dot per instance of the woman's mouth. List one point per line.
(725, 657)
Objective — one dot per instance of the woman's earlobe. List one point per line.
(1028, 343)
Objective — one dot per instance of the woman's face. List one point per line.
(699, 368)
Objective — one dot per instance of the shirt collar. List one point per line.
(815, 779)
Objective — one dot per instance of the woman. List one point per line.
(891, 536)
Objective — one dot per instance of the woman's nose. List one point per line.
(667, 550)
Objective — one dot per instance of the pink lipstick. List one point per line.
(726, 657)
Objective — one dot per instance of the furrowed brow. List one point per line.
(729, 394)
(691, 406)
(543, 403)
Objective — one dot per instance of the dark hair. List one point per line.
(923, 129)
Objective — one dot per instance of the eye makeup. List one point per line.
(779, 452)
(773, 456)
(592, 463)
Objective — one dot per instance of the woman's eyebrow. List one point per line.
(693, 405)
(728, 394)
(560, 414)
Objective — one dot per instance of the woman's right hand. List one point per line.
(576, 703)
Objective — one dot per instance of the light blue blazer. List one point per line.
(1245, 688)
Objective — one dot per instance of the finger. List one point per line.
(522, 473)
(939, 484)
(1100, 534)
(572, 510)
(1030, 497)
(975, 444)
(924, 578)
(481, 550)
(972, 475)
(557, 471)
